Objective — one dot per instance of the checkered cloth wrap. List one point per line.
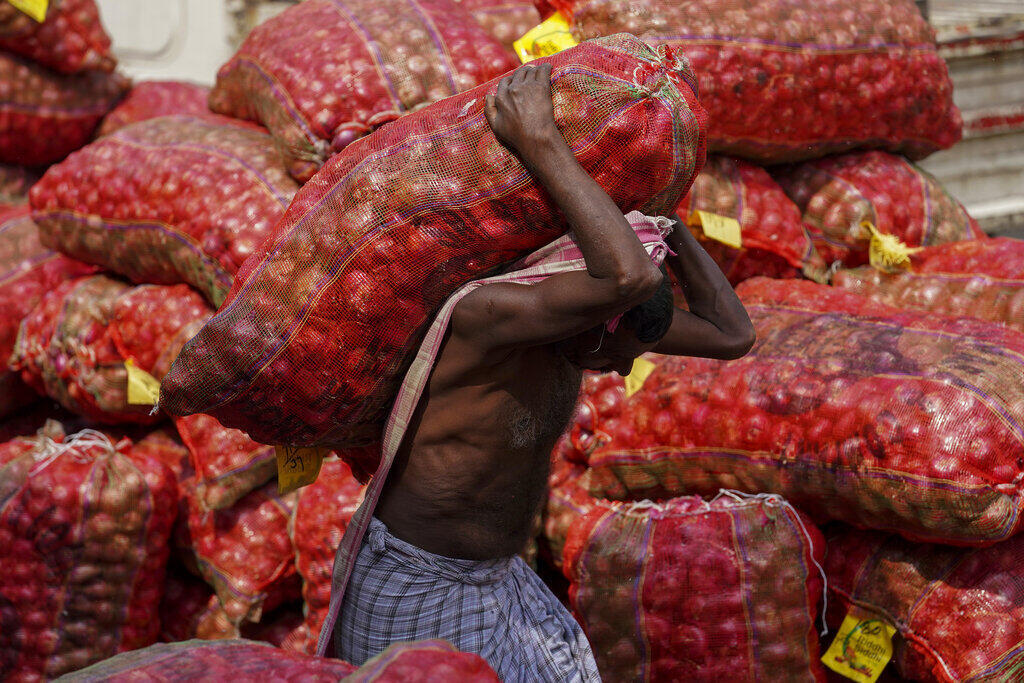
(561, 256)
(498, 609)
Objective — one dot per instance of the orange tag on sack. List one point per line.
(719, 228)
(143, 388)
(862, 648)
(297, 467)
(549, 37)
(642, 369)
(34, 8)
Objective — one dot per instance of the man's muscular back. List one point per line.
(472, 473)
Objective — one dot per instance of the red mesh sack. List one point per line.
(44, 116)
(178, 199)
(567, 501)
(693, 591)
(224, 660)
(785, 80)
(322, 514)
(321, 324)
(84, 526)
(775, 243)
(163, 445)
(425, 660)
(15, 182)
(326, 72)
(286, 628)
(959, 613)
(73, 346)
(999, 257)
(185, 599)
(153, 99)
(27, 272)
(839, 195)
(504, 20)
(228, 464)
(973, 296)
(71, 39)
(244, 552)
(852, 410)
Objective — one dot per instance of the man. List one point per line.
(440, 559)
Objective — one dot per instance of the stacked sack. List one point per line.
(56, 81)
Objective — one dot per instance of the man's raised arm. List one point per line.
(717, 324)
(619, 274)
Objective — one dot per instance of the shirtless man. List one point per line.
(439, 560)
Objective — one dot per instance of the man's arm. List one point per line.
(717, 325)
(619, 274)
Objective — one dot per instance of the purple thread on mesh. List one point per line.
(639, 598)
(373, 47)
(217, 151)
(822, 47)
(26, 265)
(296, 115)
(252, 464)
(801, 537)
(220, 272)
(745, 585)
(438, 43)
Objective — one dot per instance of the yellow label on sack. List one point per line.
(143, 388)
(719, 228)
(862, 647)
(642, 369)
(887, 252)
(34, 8)
(297, 467)
(547, 38)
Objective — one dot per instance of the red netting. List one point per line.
(72, 346)
(837, 195)
(244, 552)
(426, 660)
(999, 257)
(225, 660)
(15, 182)
(959, 613)
(27, 272)
(504, 20)
(775, 243)
(83, 542)
(316, 334)
(568, 500)
(694, 591)
(71, 39)
(176, 199)
(851, 409)
(959, 295)
(784, 80)
(185, 599)
(227, 462)
(322, 514)
(326, 72)
(162, 444)
(153, 99)
(44, 116)
(286, 628)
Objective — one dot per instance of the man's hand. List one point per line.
(520, 111)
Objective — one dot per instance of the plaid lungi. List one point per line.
(498, 609)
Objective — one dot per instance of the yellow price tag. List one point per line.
(143, 388)
(297, 467)
(34, 8)
(547, 38)
(720, 228)
(862, 647)
(642, 369)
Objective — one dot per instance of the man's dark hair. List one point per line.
(651, 319)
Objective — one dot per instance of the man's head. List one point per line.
(638, 332)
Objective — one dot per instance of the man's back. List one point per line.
(471, 475)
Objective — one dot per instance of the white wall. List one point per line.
(169, 39)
